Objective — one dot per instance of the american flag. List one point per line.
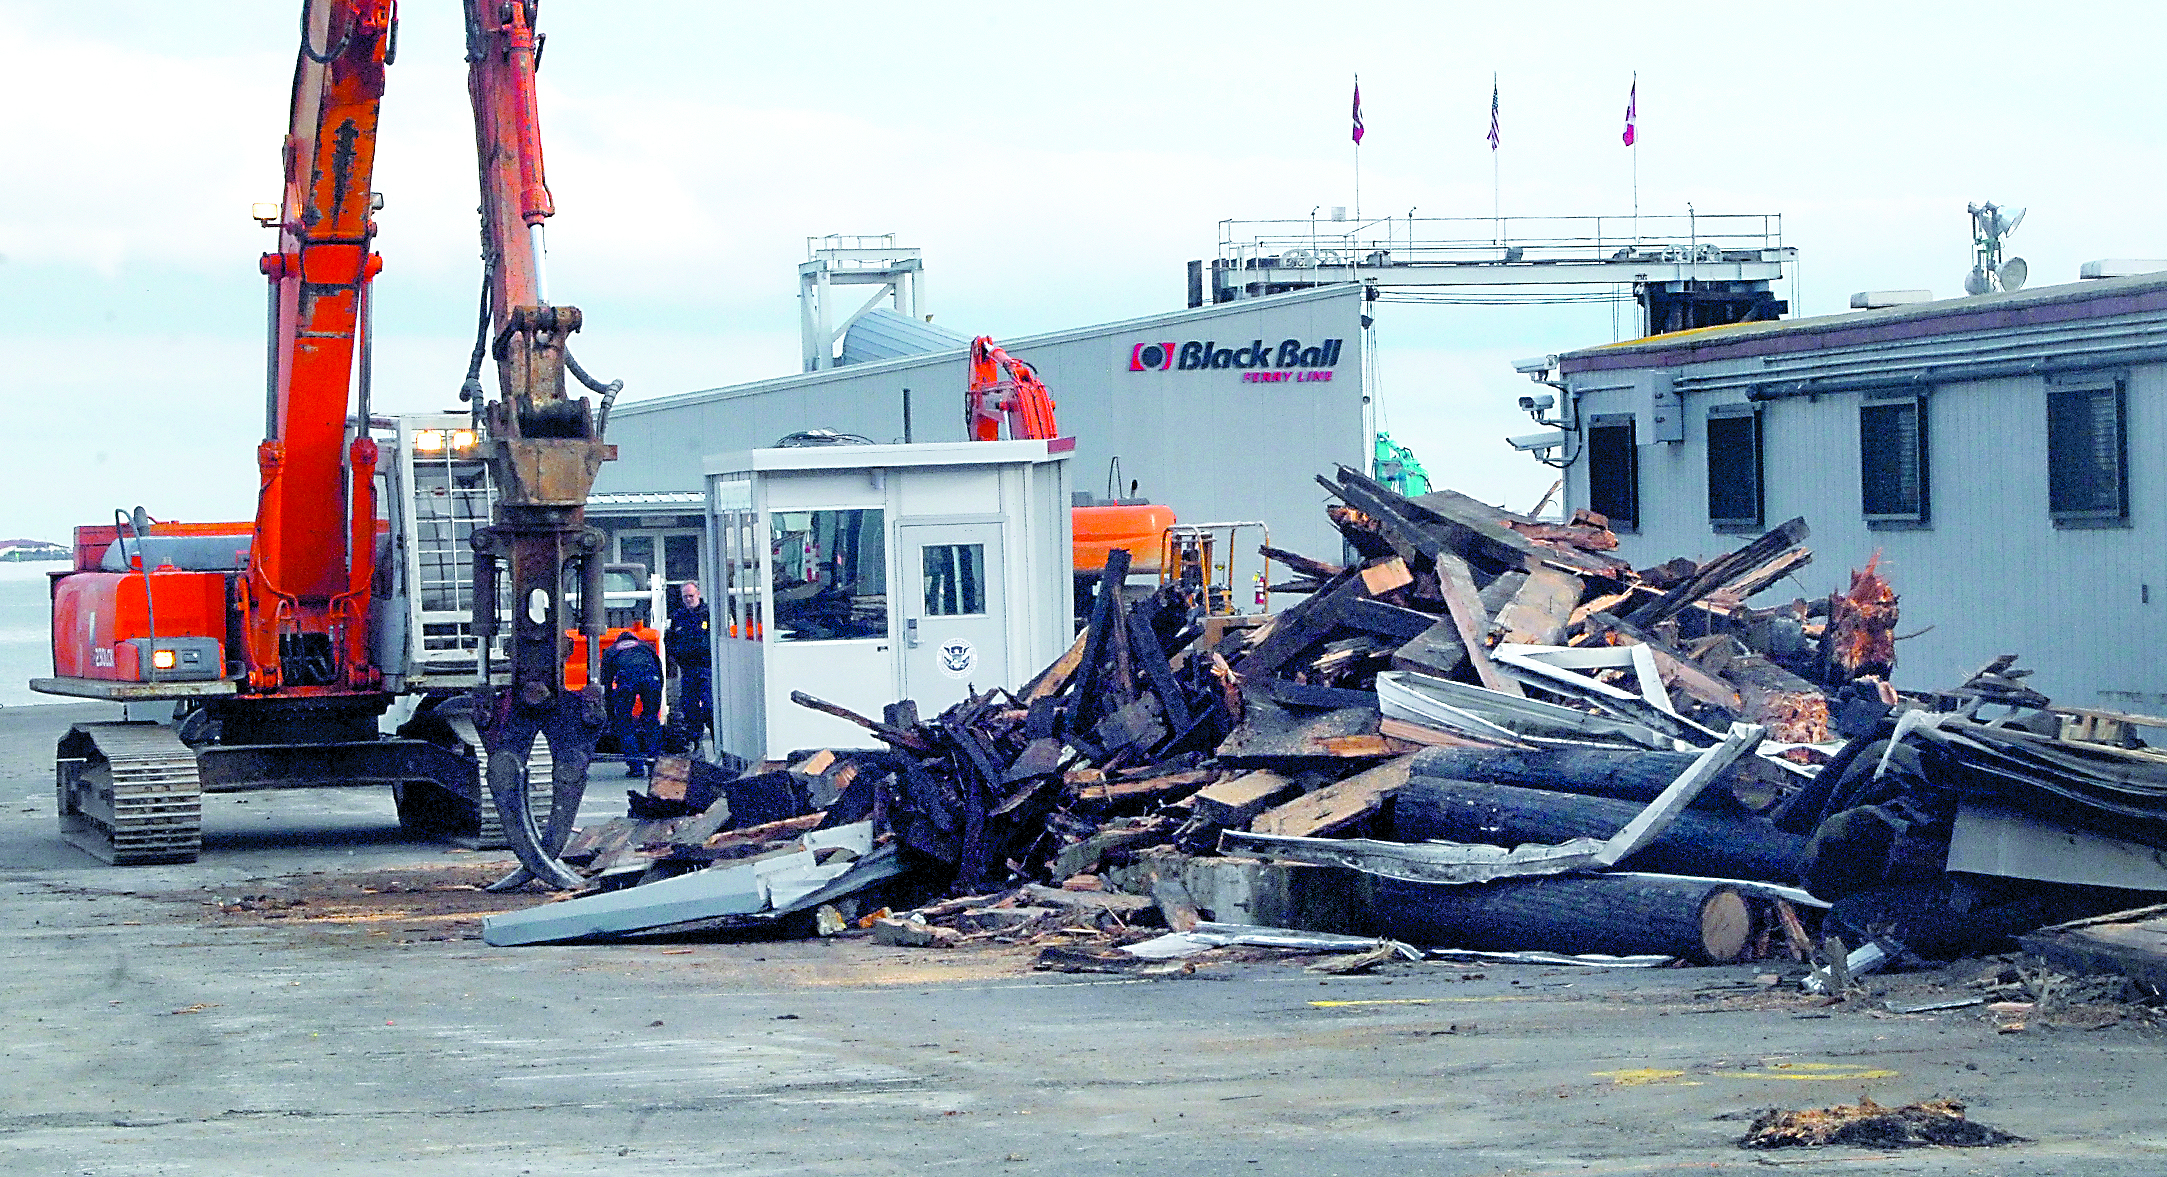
(1493, 112)
(1358, 108)
(1632, 109)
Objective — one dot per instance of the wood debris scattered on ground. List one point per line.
(1867, 1124)
(1474, 687)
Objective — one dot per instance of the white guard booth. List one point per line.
(866, 574)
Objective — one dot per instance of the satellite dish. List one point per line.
(1975, 282)
(2012, 273)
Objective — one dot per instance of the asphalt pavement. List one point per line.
(151, 1034)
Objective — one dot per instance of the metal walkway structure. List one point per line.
(1684, 271)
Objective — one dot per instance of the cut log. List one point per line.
(1619, 915)
(1694, 843)
(1618, 773)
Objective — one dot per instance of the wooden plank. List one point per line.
(1498, 592)
(1358, 746)
(1437, 651)
(1168, 786)
(1538, 614)
(1105, 618)
(1151, 656)
(1299, 628)
(1722, 570)
(1174, 901)
(1386, 620)
(1458, 585)
(1487, 535)
(1301, 564)
(1305, 695)
(1236, 801)
(1385, 575)
(1430, 737)
(1336, 806)
(1054, 678)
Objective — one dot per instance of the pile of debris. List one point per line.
(1486, 732)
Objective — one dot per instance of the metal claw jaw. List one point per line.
(570, 726)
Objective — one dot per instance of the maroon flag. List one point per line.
(1632, 109)
(1358, 109)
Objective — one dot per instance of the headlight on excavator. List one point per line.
(462, 439)
(429, 441)
(164, 659)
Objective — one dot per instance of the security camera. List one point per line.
(1534, 365)
(1527, 442)
(1537, 404)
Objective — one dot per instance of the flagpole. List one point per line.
(1633, 110)
(1497, 215)
(1358, 149)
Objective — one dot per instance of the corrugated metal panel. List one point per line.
(882, 334)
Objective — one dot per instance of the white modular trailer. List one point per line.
(1221, 412)
(2004, 457)
(865, 574)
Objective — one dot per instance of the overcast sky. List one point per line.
(1057, 163)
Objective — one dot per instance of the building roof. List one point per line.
(960, 354)
(2046, 306)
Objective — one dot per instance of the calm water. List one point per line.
(26, 615)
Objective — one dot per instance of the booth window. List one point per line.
(1892, 463)
(830, 580)
(2087, 456)
(955, 579)
(1614, 470)
(1734, 466)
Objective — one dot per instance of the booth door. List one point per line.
(955, 620)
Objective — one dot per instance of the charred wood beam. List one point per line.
(1720, 571)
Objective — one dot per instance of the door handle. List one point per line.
(910, 632)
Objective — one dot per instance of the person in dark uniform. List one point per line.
(632, 681)
(686, 641)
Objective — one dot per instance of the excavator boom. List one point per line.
(312, 555)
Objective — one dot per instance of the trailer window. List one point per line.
(830, 575)
(1614, 471)
(1892, 463)
(2087, 456)
(1734, 466)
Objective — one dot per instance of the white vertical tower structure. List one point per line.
(845, 260)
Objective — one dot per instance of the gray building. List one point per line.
(2005, 456)
(1222, 413)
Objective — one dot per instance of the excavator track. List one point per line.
(129, 793)
(490, 836)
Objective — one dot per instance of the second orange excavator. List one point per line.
(1006, 396)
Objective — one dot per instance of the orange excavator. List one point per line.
(1006, 396)
(276, 634)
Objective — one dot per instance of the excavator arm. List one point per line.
(1006, 392)
(305, 625)
(543, 448)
